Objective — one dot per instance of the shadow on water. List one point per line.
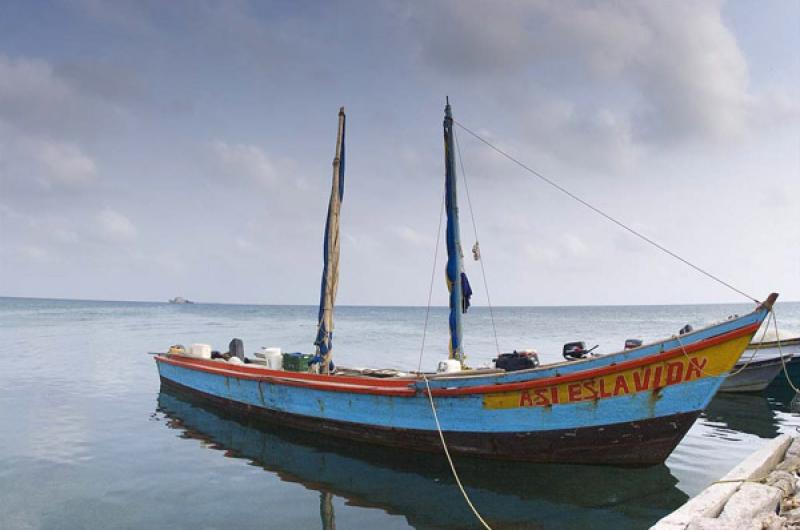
(747, 413)
(780, 393)
(419, 486)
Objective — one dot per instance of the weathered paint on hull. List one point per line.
(627, 408)
(645, 442)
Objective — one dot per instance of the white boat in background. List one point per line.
(761, 363)
(180, 300)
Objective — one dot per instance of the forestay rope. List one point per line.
(604, 214)
(643, 238)
(476, 249)
(483, 272)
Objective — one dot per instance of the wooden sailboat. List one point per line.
(630, 407)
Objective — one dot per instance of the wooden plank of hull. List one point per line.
(639, 443)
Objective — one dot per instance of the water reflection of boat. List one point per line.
(780, 394)
(748, 413)
(419, 486)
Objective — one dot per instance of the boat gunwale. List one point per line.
(410, 386)
(603, 370)
(762, 362)
(308, 380)
(783, 343)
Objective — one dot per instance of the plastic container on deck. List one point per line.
(296, 362)
(449, 366)
(273, 358)
(201, 351)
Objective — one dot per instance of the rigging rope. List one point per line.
(780, 352)
(771, 316)
(427, 385)
(430, 289)
(693, 362)
(479, 257)
(604, 214)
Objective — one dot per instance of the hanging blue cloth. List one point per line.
(466, 292)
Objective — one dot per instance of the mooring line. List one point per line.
(450, 460)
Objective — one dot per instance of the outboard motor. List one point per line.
(576, 350)
(632, 343)
(236, 349)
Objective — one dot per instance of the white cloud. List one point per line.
(66, 163)
(247, 161)
(36, 101)
(245, 245)
(34, 253)
(115, 227)
(36, 164)
(413, 237)
(575, 246)
(599, 83)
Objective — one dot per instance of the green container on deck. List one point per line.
(296, 362)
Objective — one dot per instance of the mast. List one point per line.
(330, 270)
(455, 265)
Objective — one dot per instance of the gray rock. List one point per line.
(771, 522)
(794, 449)
(783, 480)
(713, 523)
(792, 516)
(752, 500)
(790, 463)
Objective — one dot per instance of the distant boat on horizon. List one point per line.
(180, 300)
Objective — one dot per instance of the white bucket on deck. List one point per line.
(448, 366)
(273, 357)
(201, 351)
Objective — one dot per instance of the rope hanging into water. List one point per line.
(427, 385)
(604, 214)
(450, 460)
(479, 257)
(780, 352)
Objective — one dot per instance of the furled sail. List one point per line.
(456, 279)
(330, 271)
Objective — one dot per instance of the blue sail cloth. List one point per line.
(466, 289)
(455, 266)
(330, 271)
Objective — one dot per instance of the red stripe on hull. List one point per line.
(598, 372)
(334, 383)
(408, 386)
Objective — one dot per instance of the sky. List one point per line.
(155, 149)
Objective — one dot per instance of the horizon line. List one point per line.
(193, 302)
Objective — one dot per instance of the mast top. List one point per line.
(341, 111)
(447, 113)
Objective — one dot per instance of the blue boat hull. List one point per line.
(637, 443)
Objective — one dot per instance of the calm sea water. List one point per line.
(89, 441)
